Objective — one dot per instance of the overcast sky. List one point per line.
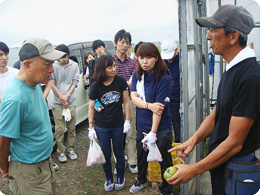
(67, 21)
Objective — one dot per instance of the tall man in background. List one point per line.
(125, 66)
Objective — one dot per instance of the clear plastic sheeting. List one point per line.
(191, 80)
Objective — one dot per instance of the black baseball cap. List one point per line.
(39, 47)
(4, 47)
(63, 48)
(233, 16)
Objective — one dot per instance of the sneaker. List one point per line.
(133, 168)
(109, 188)
(119, 186)
(55, 167)
(137, 186)
(72, 155)
(62, 158)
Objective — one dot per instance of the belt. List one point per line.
(246, 158)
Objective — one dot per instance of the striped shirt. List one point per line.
(126, 67)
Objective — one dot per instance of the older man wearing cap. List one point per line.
(234, 124)
(25, 129)
(170, 55)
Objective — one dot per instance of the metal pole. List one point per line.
(184, 108)
(219, 3)
(197, 33)
(221, 59)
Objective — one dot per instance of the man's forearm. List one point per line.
(238, 130)
(55, 89)
(4, 153)
(72, 88)
(56, 92)
(46, 90)
(217, 157)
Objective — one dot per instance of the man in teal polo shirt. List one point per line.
(25, 129)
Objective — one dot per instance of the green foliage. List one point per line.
(159, 48)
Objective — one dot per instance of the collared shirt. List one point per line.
(245, 53)
(154, 92)
(126, 67)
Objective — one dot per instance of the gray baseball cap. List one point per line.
(233, 16)
(39, 47)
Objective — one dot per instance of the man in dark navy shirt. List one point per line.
(169, 52)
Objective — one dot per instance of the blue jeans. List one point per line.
(105, 135)
(175, 111)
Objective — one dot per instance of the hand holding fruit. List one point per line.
(170, 171)
(184, 173)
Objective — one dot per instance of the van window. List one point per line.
(110, 48)
(77, 54)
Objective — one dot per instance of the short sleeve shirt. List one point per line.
(24, 118)
(126, 67)
(6, 78)
(111, 97)
(238, 95)
(154, 92)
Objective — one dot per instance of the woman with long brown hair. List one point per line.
(150, 92)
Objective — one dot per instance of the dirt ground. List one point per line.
(74, 178)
